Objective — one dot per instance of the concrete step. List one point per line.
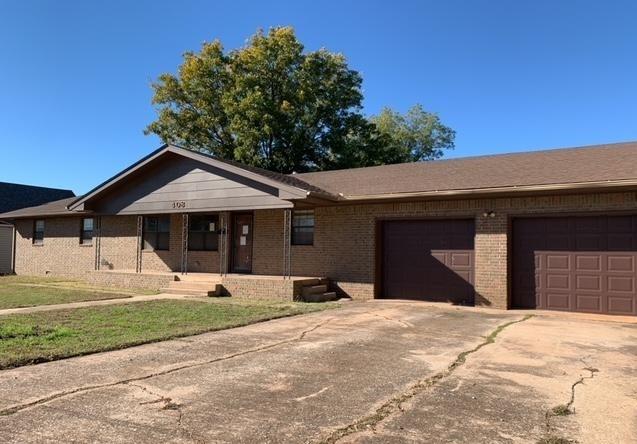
(313, 289)
(197, 277)
(314, 281)
(187, 292)
(320, 297)
(192, 285)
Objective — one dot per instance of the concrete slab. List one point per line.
(377, 371)
(509, 392)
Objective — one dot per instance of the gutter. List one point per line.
(495, 190)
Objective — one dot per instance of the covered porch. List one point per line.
(184, 221)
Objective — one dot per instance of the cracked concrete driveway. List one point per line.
(367, 372)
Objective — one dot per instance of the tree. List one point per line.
(268, 104)
(272, 105)
(415, 136)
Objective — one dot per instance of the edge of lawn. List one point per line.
(168, 337)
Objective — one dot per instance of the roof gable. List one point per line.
(177, 184)
(276, 185)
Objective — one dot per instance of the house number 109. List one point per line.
(179, 204)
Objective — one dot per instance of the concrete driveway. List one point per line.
(367, 372)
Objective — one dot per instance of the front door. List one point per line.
(242, 243)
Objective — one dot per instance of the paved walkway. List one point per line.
(39, 308)
(379, 371)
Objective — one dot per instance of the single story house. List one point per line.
(12, 197)
(553, 229)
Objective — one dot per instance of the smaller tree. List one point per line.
(415, 136)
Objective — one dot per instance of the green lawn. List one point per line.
(19, 291)
(46, 336)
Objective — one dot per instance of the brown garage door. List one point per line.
(429, 260)
(576, 263)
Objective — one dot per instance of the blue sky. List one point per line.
(506, 75)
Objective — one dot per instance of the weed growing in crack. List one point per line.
(555, 440)
(561, 410)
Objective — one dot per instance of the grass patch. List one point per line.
(21, 291)
(46, 336)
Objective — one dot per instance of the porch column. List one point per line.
(287, 243)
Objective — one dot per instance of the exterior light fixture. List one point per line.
(488, 214)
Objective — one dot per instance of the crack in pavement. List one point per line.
(169, 404)
(395, 404)
(566, 409)
(17, 408)
(399, 321)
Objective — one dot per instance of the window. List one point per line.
(156, 233)
(38, 232)
(202, 233)
(86, 231)
(303, 227)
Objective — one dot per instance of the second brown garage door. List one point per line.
(428, 260)
(582, 264)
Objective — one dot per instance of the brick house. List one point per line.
(554, 229)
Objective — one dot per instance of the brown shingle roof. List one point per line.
(14, 196)
(597, 163)
(55, 208)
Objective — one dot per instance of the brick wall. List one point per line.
(344, 238)
(62, 254)
(265, 288)
(128, 280)
(344, 241)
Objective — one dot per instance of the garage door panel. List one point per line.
(621, 264)
(558, 301)
(585, 262)
(588, 283)
(558, 282)
(621, 284)
(592, 268)
(588, 303)
(621, 305)
(428, 260)
(557, 262)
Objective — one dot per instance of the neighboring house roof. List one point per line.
(14, 196)
(591, 167)
(599, 165)
(55, 208)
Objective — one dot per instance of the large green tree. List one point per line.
(270, 104)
